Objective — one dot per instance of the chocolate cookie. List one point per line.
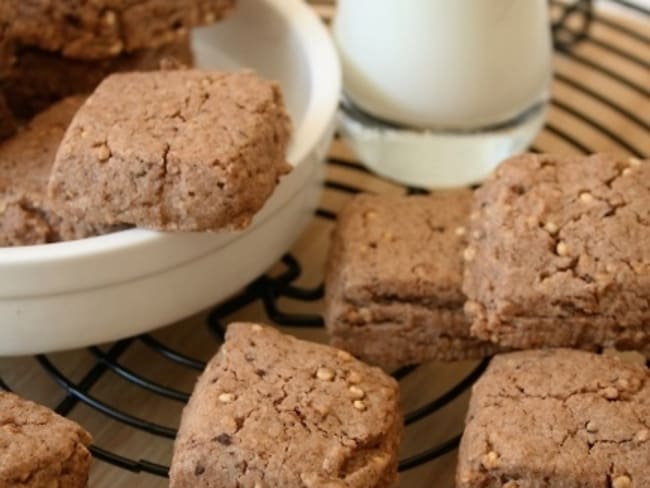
(559, 253)
(38, 448)
(33, 79)
(271, 410)
(173, 150)
(26, 216)
(557, 418)
(393, 284)
(104, 28)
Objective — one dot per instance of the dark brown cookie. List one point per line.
(173, 150)
(26, 217)
(33, 79)
(393, 286)
(271, 410)
(557, 418)
(38, 448)
(559, 253)
(104, 28)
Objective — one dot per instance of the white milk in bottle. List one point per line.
(438, 91)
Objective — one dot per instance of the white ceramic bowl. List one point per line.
(73, 294)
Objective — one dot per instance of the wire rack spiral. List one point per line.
(573, 27)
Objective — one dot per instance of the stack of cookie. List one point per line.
(394, 280)
(551, 252)
(555, 253)
(50, 50)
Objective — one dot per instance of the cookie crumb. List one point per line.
(227, 397)
(642, 435)
(469, 254)
(421, 271)
(103, 153)
(610, 393)
(325, 374)
(256, 328)
(490, 460)
(354, 377)
(365, 314)
(562, 249)
(110, 17)
(586, 197)
(357, 392)
(622, 482)
(344, 355)
(634, 162)
(359, 405)
(116, 48)
(591, 427)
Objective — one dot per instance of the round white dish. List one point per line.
(73, 294)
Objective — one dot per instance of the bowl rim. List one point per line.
(326, 81)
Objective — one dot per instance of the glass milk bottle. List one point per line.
(437, 92)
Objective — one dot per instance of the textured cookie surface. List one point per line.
(26, 216)
(173, 150)
(394, 279)
(33, 79)
(559, 253)
(104, 28)
(271, 410)
(557, 419)
(39, 448)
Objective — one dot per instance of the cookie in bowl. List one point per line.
(105, 28)
(183, 150)
(26, 215)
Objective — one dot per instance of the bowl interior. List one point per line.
(235, 44)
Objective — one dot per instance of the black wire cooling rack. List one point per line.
(571, 26)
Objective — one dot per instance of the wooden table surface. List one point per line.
(600, 102)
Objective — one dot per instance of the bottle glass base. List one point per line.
(432, 158)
